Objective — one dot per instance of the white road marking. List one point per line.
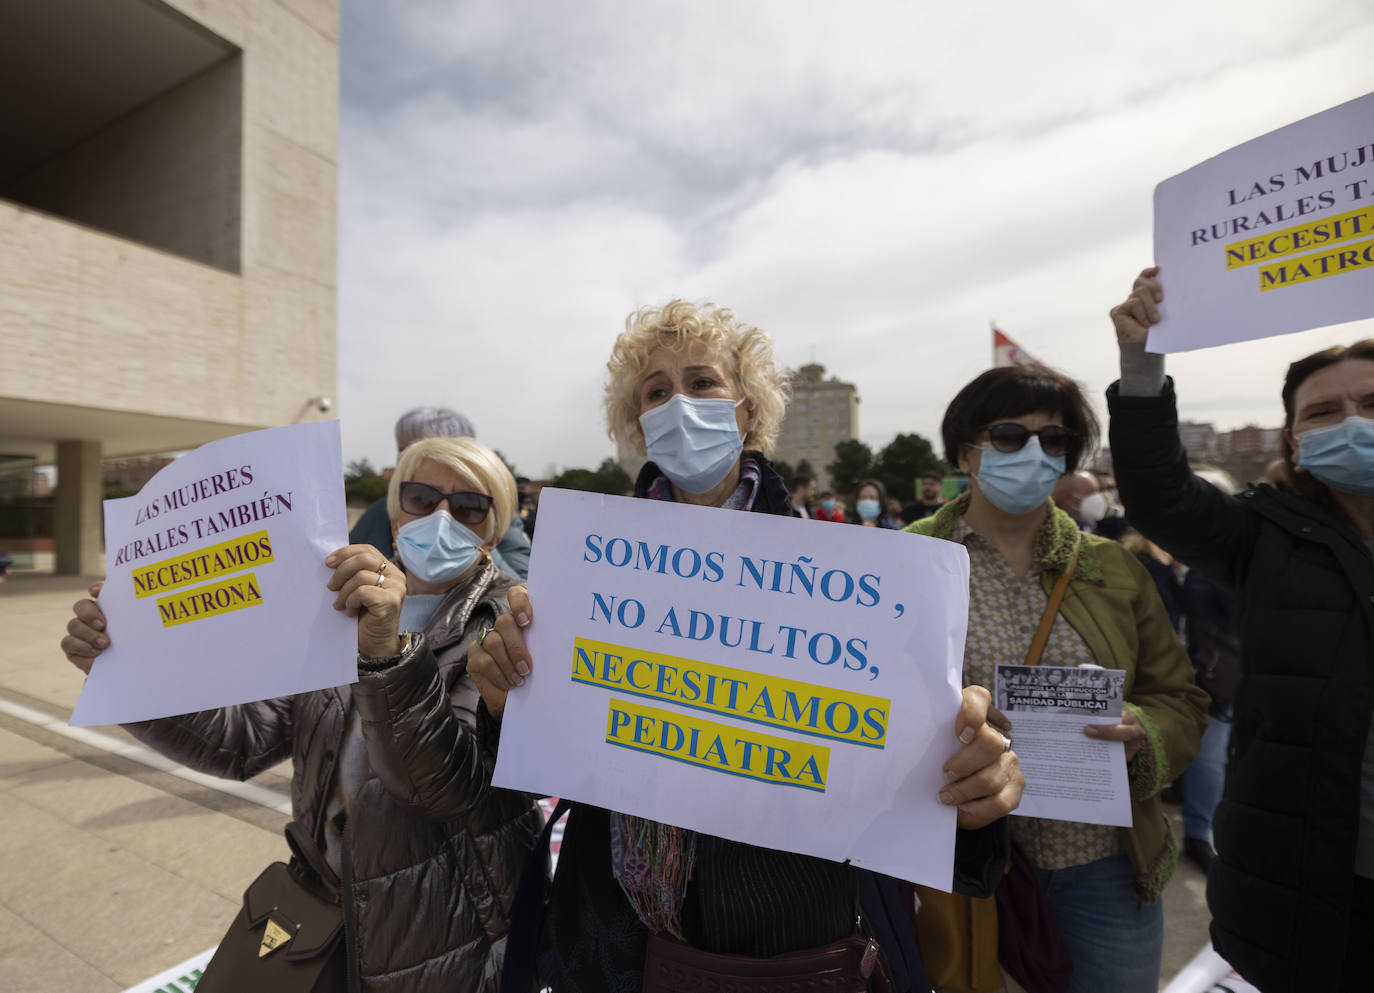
(251, 792)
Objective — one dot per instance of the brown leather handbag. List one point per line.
(287, 938)
(849, 965)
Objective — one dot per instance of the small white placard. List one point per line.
(1274, 236)
(1069, 776)
(215, 580)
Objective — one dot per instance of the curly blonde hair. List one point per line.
(745, 351)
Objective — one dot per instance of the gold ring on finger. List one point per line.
(382, 568)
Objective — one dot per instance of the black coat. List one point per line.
(1286, 828)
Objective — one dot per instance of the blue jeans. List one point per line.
(1204, 779)
(1116, 946)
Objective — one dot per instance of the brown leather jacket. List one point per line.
(427, 901)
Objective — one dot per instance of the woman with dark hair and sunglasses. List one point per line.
(428, 836)
(1291, 889)
(1015, 431)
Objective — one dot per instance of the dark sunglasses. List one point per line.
(1008, 436)
(467, 508)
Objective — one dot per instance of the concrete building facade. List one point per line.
(823, 413)
(168, 232)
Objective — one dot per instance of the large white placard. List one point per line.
(764, 679)
(1274, 236)
(215, 580)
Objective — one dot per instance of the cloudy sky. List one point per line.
(871, 183)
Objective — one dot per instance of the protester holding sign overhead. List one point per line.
(700, 394)
(1016, 430)
(1292, 889)
(362, 831)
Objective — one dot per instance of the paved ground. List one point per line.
(111, 871)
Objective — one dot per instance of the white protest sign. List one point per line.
(179, 978)
(215, 580)
(1274, 236)
(765, 679)
(1208, 972)
(1069, 776)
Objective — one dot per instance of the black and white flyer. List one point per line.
(1069, 776)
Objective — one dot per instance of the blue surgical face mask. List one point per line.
(437, 548)
(868, 509)
(827, 505)
(694, 442)
(1018, 482)
(1341, 455)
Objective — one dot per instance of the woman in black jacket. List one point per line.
(700, 394)
(1292, 889)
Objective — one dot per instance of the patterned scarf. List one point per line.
(652, 861)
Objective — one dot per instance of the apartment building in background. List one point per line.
(823, 413)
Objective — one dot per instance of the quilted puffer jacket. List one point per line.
(426, 901)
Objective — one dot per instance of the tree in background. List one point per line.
(362, 483)
(900, 465)
(853, 462)
(609, 477)
(785, 470)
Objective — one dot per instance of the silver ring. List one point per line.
(1006, 742)
(380, 579)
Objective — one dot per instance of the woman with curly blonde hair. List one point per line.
(698, 392)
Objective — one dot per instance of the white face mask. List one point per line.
(1092, 508)
(693, 441)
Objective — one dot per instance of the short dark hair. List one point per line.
(1014, 391)
(932, 474)
(1302, 483)
(799, 480)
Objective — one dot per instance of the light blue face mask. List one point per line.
(437, 548)
(1018, 482)
(694, 442)
(1341, 455)
(868, 509)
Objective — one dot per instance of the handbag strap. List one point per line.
(1042, 635)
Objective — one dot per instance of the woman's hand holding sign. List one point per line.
(985, 780)
(85, 638)
(372, 590)
(499, 660)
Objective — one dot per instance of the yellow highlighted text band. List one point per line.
(234, 555)
(804, 708)
(1326, 232)
(1291, 272)
(208, 601)
(718, 747)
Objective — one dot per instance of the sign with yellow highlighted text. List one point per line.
(215, 587)
(754, 677)
(1274, 236)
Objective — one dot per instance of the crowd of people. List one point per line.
(1242, 617)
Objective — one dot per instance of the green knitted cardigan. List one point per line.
(1113, 605)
